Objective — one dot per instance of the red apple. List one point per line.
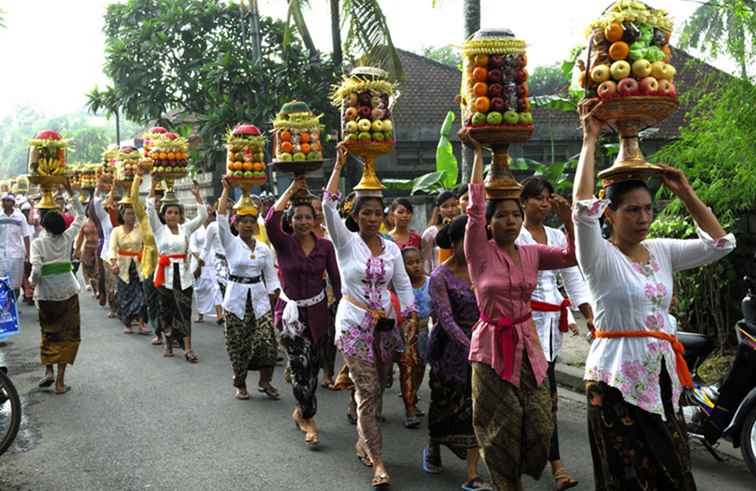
(649, 86)
(522, 90)
(240, 129)
(521, 75)
(48, 135)
(495, 90)
(627, 86)
(523, 105)
(365, 112)
(666, 88)
(607, 89)
(157, 129)
(494, 76)
(498, 104)
(521, 60)
(173, 136)
(496, 60)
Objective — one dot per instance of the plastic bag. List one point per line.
(9, 321)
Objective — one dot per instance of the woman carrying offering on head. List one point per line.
(125, 262)
(635, 371)
(511, 402)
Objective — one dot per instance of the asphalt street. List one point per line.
(136, 420)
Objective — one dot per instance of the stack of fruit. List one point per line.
(246, 153)
(88, 175)
(170, 155)
(109, 159)
(365, 99)
(48, 154)
(297, 133)
(150, 136)
(128, 160)
(495, 81)
(629, 53)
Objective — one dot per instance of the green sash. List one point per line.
(56, 268)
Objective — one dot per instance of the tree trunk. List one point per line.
(471, 13)
(338, 55)
(304, 32)
(255, 28)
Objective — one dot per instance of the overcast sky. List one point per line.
(53, 50)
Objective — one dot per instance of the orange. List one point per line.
(171, 156)
(480, 74)
(248, 166)
(238, 165)
(316, 147)
(480, 89)
(305, 148)
(287, 147)
(259, 166)
(162, 156)
(481, 104)
(613, 32)
(481, 60)
(619, 50)
(285, 136)
(304, 137)
(667, 53)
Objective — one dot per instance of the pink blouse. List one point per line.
(503, 290)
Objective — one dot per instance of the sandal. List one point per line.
(563, 480)
(412, 422)
(191, 357)
(382, 480)
(476, 484)
(65, 389)
(157, 341)
(269, 391)
(128, 330)
(428, 465)
(46, 381)
(241, 395)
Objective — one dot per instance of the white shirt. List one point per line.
(47, 249)
(212, 249)
(547, 290)
(430, 251)
(107, 227)
(629, 296)
(365, 277)
(169, 244)
(13, 229)
(245, 263)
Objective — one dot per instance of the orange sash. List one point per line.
(164, 262)
(137, 255)
(681, 367)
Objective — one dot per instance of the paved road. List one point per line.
(136, 420)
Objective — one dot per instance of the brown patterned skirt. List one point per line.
(60, 324)
(250, 342)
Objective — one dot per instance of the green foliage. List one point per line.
(192, 62)
(430, 183)
(447, 55)
(558, 174)
(368, 33)
(546, 80)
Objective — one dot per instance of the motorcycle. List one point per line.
(727, 408)
(10, 411)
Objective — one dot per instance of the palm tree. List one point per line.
(727, 26)
(366, 31)
(471, 14)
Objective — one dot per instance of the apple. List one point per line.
(378, 137)
(522, 90)
(666, 88)
(364, 124)
(521, 60)
(299, 156)
(620, 69)
(607, 89)
(478, 119)
(388, 135)
(494, 76)
(377, 125)
(657, 69)
(249, 173)
(526, 118)
(364, 136)
(353, 100)
(387, 125)
(160, 169)
(627, 86)
(649, 86)
(498, 104)
(495, 90)
(668, 72)
(350, 137)
(365, 98)
(285, 157)
(365, 112)
(377, 114)
(641, 68)
(481, 60)
(494, 118)
(521, 75)
(314, 156)
(351, 113)
(523, 105)
(599, 73)
(351, 127)
(511, 117)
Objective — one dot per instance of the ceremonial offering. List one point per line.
(629, 80)
(245, 167)
(22, 185)
(128, 159)
(495, 104)
(296, 137)
(88, 175)
(366, 99)
(47, 164)
(109, 159)
(169, 158)
(150, 136)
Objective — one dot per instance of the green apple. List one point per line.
(364, 125)
(387, 125)
(494, 117)
(641, 69)
(599, 73)
(314, 156)
(478, 119)
(388, 135)
(350, 137)
(526, 118)
(364, 136)
(620, 69)
(351, 127)
(285, 157)
(377, 125)
(249, 173)
(378, 137)
(511, 117)
(299, 156)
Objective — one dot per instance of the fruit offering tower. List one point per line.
(366, 99)
(88, 175)
(297, 134)
(47, 164)
(169, 154)
(128, 160)
(628, 77)
(109, 159)
(245, 161)
(150, 136)
(495, 105)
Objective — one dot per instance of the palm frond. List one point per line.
(368, 32)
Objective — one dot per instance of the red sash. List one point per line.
(164, 262)
(550, 307)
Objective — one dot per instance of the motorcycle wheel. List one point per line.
(10, 412)
(748, 441)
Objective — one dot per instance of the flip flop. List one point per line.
(476, 484)
(269, 391)
(382, 480)
(241, 396)
(66, 388)
(156, 341)
(563, 480)
(428, 466)
(46, 381)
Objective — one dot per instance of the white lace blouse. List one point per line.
(629, 296)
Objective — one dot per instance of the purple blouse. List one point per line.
(456, 312)
(303, 276)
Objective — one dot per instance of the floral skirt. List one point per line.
(176, 309)
(635, 449)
